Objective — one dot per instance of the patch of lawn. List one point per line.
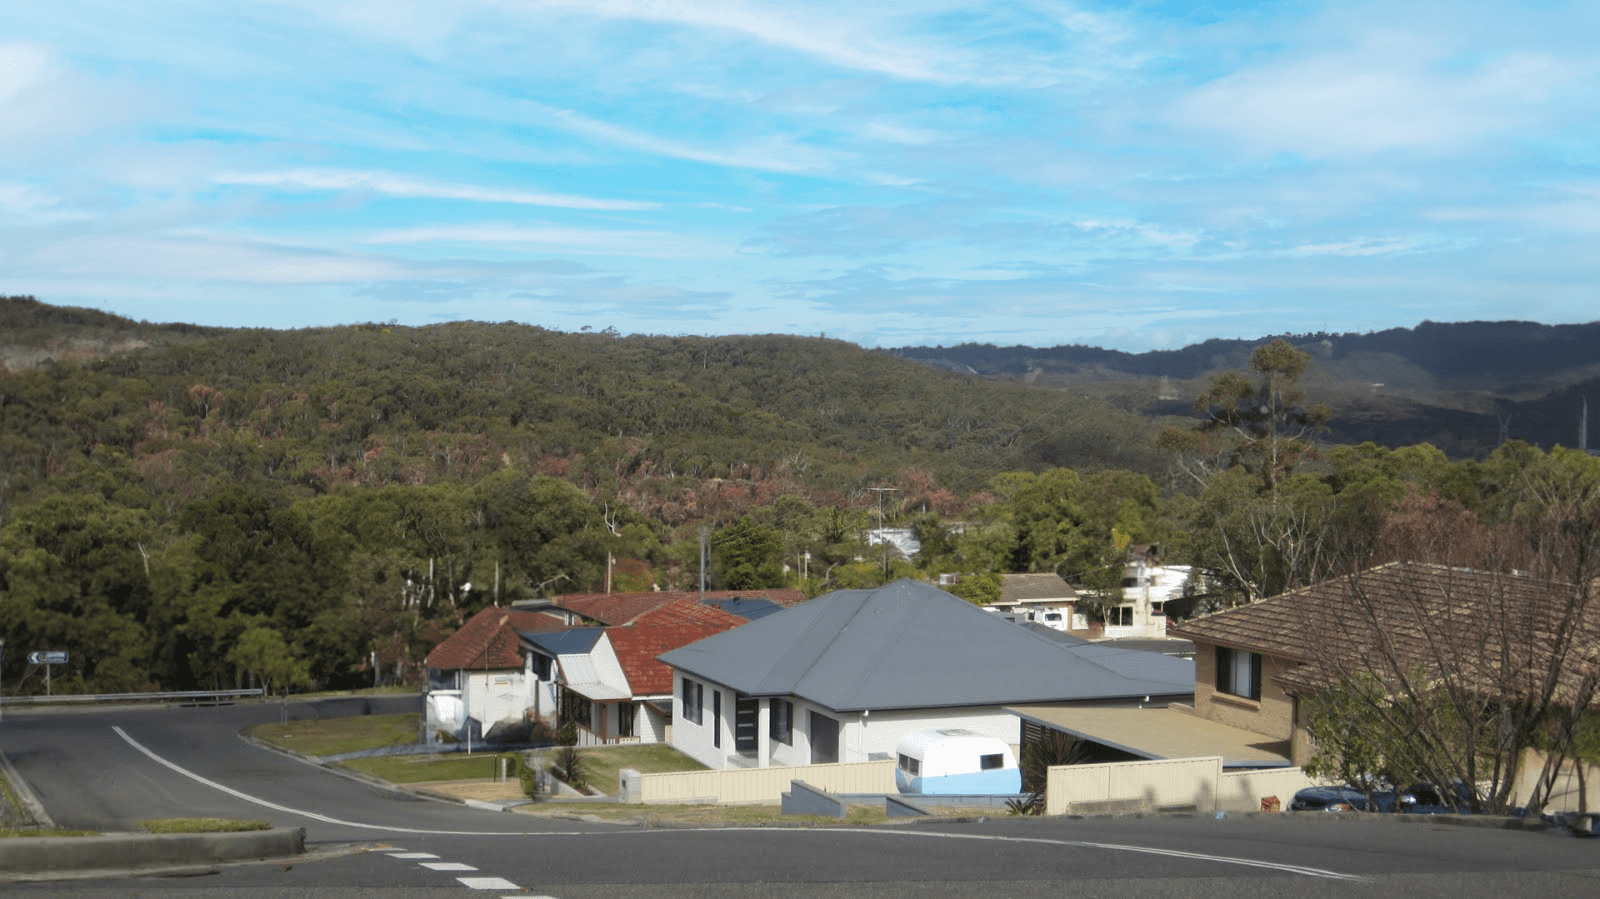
(601, 764)
(332, 736)
(705, 815)
(8, 834)
(412, 769)
(202, 825)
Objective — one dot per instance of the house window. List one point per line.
(541, 666)
(693, 694)
(626, 712)
(573, 708)
(910, 765)
(1121, 616)
(991, 762)
(716, 719)
(1238, 673)
(780, 722)
(824, 734)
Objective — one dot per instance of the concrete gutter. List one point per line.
(24, 793)
(51, 858)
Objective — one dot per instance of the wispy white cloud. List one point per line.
(1391, 91)
(574, 240)
(399, 186)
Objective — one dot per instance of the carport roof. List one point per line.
(1161, 733)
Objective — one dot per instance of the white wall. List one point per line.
(860, 735)
(694, 740)
(493, 696)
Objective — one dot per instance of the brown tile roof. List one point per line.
(1034, 586)
(622, 608)
(489, 639)
(1416, 614)
(677, 624)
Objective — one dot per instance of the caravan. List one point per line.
(955, 761)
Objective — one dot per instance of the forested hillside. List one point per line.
(166, 490)
(184, 507)
(1466, 387)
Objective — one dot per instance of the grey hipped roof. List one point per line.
(910, 645)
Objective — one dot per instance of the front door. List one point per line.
(746, 718)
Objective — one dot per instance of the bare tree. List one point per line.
(1450, 666)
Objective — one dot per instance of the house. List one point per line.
(478, 676)
(506, 665)
(1043, 599)
(607, 681)
(1252, 663)
(843, 677)
(1147, 585)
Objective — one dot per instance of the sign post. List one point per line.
(48, 658)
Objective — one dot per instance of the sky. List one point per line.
(1135, 175)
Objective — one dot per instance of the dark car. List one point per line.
(1417, 799)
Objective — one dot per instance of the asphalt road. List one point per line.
(105, 768)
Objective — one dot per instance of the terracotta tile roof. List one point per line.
(1419, 614)
(1034, 586)
(612, 608)
(674, 625)
(489, 639)
(623, 608)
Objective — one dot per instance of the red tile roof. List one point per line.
(624, 608)
(669, 627)
(489, 639)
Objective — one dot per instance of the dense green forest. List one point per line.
(188, 507)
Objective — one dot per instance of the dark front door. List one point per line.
(746, 715)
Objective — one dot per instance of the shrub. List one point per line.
(568, 766)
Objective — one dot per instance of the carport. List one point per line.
(1157, 734)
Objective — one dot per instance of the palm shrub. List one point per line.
(568, 767)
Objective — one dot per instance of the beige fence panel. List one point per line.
(1242, 791)
(765, 785)
(1144, 786)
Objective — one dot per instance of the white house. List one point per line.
(479, 677)
(843, 677)
(607, 681)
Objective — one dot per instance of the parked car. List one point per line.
(1417, 799)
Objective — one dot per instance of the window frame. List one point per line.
(693, 701)
(1231, 664)
(780, 721)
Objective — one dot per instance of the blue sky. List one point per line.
(1130, 175)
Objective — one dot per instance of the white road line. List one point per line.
(1081, 844)
(313, 815)
(411, 855)
(447, 866)
(488, 883)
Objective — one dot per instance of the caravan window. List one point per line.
(991, 762)
(910, 765)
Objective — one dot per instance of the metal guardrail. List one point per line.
(192, 696)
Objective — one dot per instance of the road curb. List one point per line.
(33, 858)
(24, 794)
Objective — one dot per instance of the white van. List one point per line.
(955, 761)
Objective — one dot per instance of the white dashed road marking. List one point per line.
(487, 883)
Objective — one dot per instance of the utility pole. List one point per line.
(705, 536)
(881, 536)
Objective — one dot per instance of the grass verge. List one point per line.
(602, 764)
(704, 815)
(202, 825)
(413, 769)
(58, 832)
(332, 736)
